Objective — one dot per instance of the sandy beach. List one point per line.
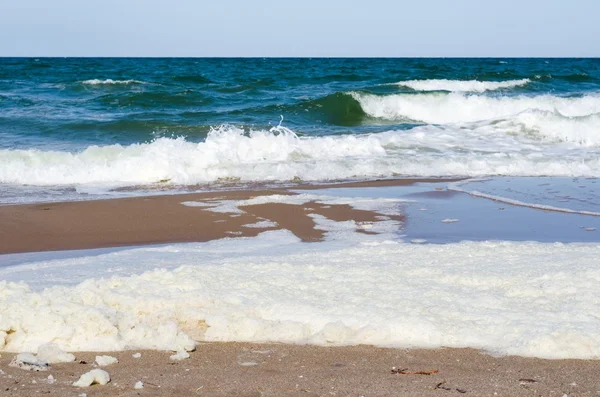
(243, 369)
(251, 369)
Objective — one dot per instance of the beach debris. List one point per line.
(448, 220)
(2, 372)
(441, 386)
(136, 355)
(139, 385)
(29, 362)
(405, 371)
(248, 364)
(51, 379)
(180, 355)
(106, 360)
(51, 353)
(95, 376)
(82, 362)
(527, 380)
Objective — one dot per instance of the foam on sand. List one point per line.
(461, 85)
(103, 361)
(95, 376)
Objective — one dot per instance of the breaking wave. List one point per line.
(279, 154)
(440, 108)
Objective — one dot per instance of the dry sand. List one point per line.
(241, 369)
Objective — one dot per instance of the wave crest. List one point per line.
(461, 85)
(110, 82)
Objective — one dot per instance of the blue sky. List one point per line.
(299, 28)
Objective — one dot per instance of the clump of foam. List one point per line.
(180, 355)
(52, 353)
(95, 376)
(29, 362)
(103, 361)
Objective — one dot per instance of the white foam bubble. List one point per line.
(461, 85)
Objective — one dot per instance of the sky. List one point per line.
(330, 28)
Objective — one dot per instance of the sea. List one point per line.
(498, 249)
(71, 128)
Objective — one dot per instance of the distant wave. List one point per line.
(461, 85)
(110, 82)
(509, 147)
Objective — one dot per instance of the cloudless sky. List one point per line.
(300, 28)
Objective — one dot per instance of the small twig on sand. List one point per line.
(405, 372)
(440, 386)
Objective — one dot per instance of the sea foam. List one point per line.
(528, 299)
(461, 85)
(110, 82)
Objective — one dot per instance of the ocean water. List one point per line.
(75, 128)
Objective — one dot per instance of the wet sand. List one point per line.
(162, 219)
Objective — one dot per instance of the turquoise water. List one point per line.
(89, 124)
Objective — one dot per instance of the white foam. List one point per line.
(461, 85)
(110, 82)
(103, 361)
(261, 224)
(180, 355)
(95, 376)
(523, 298)
(52, 353)
(28, 362)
